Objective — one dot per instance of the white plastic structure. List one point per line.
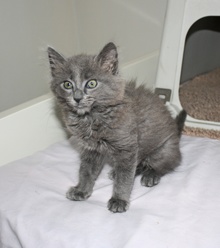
(181, 15)
(28, 128)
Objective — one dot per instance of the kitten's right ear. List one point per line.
(56, 61)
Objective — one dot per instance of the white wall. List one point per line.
(73, 26)
(136, 26)
(26, 28)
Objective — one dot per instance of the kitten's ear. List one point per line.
(108, 58)
(56, 61)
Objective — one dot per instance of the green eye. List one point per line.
(67, 85)
(91, 84)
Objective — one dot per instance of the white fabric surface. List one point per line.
(183, 211)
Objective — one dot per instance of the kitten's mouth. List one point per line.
(79, 107)
(82, 110)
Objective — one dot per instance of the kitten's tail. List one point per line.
(180, 120)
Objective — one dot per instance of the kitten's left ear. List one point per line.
(108, 58)
(56, 61)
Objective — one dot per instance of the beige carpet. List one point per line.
(200, 97)
(200, 132)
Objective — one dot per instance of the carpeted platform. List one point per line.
(200, 132)
(200, 97)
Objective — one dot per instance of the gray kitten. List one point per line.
(109, 117)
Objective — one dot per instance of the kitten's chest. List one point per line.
(90, 131)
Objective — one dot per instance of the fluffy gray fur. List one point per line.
(110, 117)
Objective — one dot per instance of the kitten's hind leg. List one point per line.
(163, 160)
(111, 174)
(140, 168)
(149, 175)
(150, 178)
(90, 168)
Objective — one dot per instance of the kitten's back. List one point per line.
(153, 119)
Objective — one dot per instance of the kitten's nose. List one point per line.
(77, 99)
(78, 95)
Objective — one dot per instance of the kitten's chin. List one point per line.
(82, 111)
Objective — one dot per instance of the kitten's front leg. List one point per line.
(124, 174)
(90, 168)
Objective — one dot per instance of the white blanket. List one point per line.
(182, 211)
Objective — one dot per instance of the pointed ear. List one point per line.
(56, 61)
(108, 58)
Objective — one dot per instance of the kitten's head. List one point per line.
(84, 81)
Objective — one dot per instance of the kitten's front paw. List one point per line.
(74, 194)
(117, 205)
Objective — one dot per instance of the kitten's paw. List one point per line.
(150, 179)
(117, 205)
(74, 194)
